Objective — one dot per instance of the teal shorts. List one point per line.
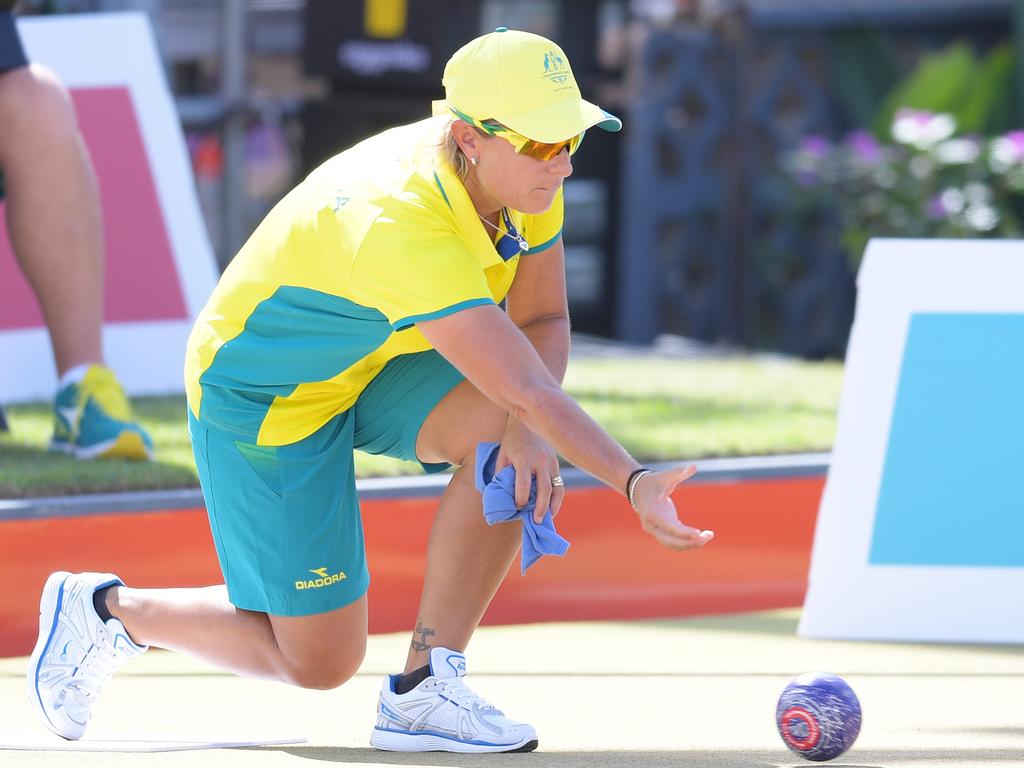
(285, 519)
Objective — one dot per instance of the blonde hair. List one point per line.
(451, 152)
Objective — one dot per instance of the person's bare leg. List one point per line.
(466, 558)
(319, 651)
(53, 211)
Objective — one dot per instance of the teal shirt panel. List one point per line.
(296, 336)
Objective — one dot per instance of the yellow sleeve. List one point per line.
(412, 267)
(542, 230)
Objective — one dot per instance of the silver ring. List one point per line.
(557, 481)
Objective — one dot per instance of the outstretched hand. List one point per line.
(658, 516)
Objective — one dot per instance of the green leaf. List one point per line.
(986, 107)
(941, 82)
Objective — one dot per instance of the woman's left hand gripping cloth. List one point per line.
(499, 497)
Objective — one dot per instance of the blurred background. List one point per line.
(764, 140)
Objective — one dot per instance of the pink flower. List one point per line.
(865, 146)
(816, 146)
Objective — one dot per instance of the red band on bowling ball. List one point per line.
(813, 729)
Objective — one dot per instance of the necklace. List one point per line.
(511, 231)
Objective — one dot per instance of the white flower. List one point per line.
(977, 192)
(957, 151)
(983, 218)
(922, 129)
(953, 200)
(1007, 151)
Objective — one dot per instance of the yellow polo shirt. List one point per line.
(330, 286)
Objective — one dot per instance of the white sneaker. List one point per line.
(441, 714)
(76, 652)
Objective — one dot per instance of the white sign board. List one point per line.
(920, 535)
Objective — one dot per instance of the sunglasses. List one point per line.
(538, 150)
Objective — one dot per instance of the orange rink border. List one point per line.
(613, 570)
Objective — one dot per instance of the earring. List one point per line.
(473, 160)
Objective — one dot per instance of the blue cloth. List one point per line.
(499, 494)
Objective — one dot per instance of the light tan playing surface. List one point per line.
(696, 692)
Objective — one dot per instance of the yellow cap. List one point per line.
(523, 81)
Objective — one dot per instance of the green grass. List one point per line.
(660, 409)
(669, 409)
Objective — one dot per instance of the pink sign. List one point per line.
(141, 279)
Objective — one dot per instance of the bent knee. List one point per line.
(463, 419)
(323, 678)
(323, 672)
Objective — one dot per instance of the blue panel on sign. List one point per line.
(952, 490)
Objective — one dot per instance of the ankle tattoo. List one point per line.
(422, 644)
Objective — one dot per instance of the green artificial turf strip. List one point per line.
(660, 409)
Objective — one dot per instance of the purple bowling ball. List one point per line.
(818, 716)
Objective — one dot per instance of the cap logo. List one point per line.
(554, 67)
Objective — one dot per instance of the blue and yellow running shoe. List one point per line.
(92, 419)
